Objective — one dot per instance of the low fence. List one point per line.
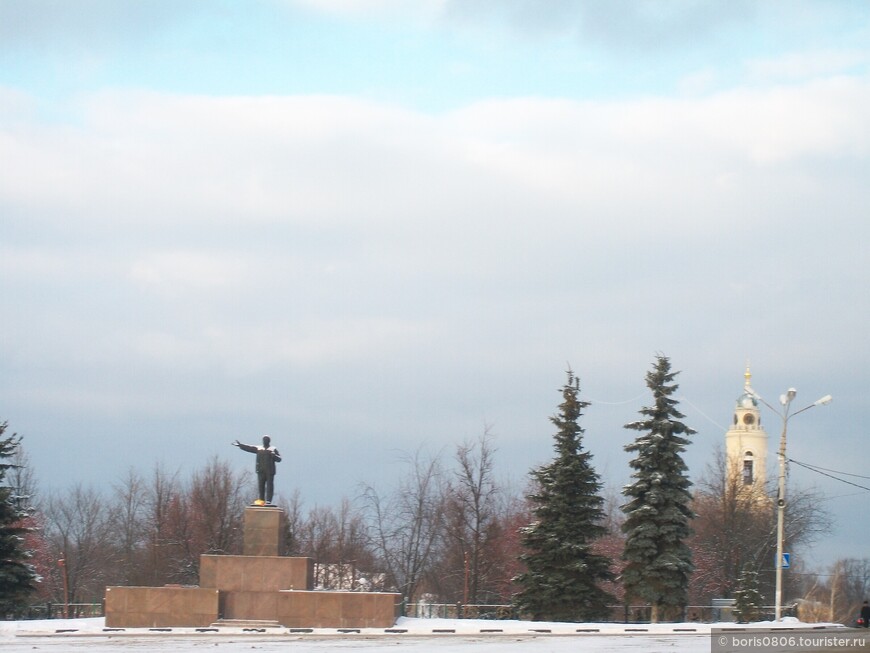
(60, 611)
(618, 613)
(459, 611)
(423, 610)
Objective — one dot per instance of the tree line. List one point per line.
(447, 531)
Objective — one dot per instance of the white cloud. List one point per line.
(251, 345)
(174, 271)
(321, 196)
(32, 263)
(807, 65)
(175, 255)
(329, 161)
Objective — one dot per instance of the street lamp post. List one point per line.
(785, 400)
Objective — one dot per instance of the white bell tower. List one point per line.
(746, 441)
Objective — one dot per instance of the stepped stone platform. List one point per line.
(259, 587)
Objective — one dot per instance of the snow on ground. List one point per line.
(410, 635)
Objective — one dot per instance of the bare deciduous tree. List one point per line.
(292, 523)
(405, 524)
(338, 542)
(837, 595)
(161, 546)
(467, 570)
(735, 526)
(126, 521)
(79, 533)
(217, 506)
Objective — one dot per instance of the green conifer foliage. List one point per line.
(658, 562)
(563, 574)
(749, 602)
(17, 577)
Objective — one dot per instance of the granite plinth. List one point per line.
(314, 609)
(161, 607)
(263, 533)
(255, 573)
(258, 587)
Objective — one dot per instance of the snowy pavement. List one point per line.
(411, 635)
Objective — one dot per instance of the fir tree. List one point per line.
(748, 600)
(563, 574)
(17, 577)
(658, 562)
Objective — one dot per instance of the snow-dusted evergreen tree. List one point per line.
(658, 563)
(17, 576)
(563, 575)
(749, 602)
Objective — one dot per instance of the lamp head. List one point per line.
(824, 401)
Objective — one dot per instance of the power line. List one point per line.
(703, 414)
(811, 573)
(593, 400)
(818, 471)
(833, 471)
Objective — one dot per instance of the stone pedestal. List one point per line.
(263, 532)
(337, 609)
(256, 573)
(320, 609)
(260, 586)
(161, 607)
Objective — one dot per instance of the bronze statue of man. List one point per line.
(267, 456)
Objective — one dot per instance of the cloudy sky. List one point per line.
(365, 226)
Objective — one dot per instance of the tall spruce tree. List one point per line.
(17, 576)
(658, 562)
(563, 573)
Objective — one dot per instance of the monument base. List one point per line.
(313, 609)
(256, 573)
(264, 588)
(263, 532)
(161, 607)
(196, 607)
